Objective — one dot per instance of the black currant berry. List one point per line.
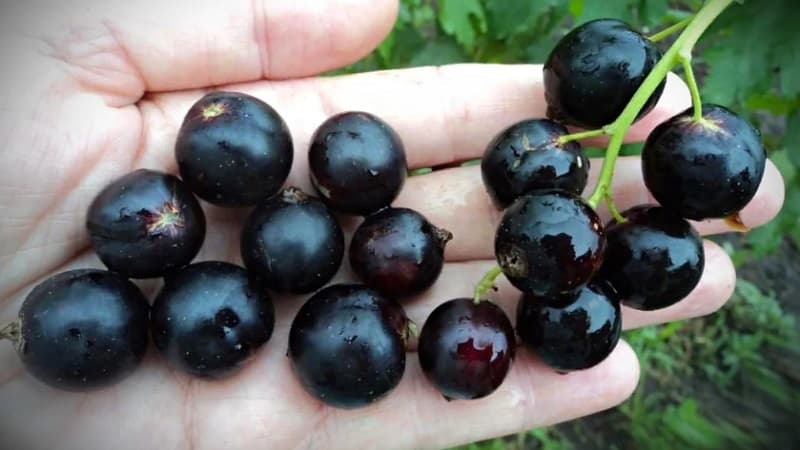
(549, 242)
(706, 169)
(210, 318)
(83, 329)
(466, 349)
(574, 332)
(357, 163)
(397, 252)
(593, 72)
(347, 345)
(654, 259)
(145, 224)
(527, 156)
(293, 242)
(233, 149)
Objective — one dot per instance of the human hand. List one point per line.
(96, 89)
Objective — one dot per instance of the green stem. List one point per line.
(685, 59)
(666, 32)
(486, 283)
(612, 208)
(683, 44)
(11, 332)
(583, 135)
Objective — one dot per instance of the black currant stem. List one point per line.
(583, 135)
(11, 332)
(612, 208)
(486, 283)
(685, 58)
(669, 31)
(682, 45)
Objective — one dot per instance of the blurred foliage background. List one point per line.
(729, 380)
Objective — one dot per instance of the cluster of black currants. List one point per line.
(573, 271)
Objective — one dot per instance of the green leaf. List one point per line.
(442, 51)
(652, 12)
(509, 17)
(596, 9)
(462, 19)
(791, 141)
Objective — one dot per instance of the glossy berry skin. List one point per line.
(347, 345)
(574, 332)
(397, 252)
(146, 224)
(293, 242)
(210, 318)
(233, 149)
(83, 330)
(357, 163)
(527, 156)
(593, 72)
(653, 259)
(549, 242)
(707, 169)
(466, 349)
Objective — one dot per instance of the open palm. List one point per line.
(94, 89)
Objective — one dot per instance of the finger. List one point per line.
(443, 114)
(458, 280)
(532, 395)
(456, 199)
(194, 43)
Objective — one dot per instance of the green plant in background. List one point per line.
(725, 381)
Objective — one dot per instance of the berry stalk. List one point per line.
(666, 32)
(683, 45)
(486, 283)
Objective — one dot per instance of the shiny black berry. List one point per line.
(347, 345)
(653, 259)
(293, 242)
(397, 252)
(573, 332)
(466, 349)
(210, 318)
(233, 149)
(706, 169)
(593, 72)
(146, 224)
(527, 156)
(549, 242)
(83, 329)
(357, 163)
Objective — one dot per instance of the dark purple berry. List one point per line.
(233, 149)
(593, 72)
(527, 156)
(83, 329)
(397, 252)
(549, 242)
(466, 349)
(293, 242)
(357, 163)
(573, 332)
(654, 259)
(210, 318)
(146, 224)
(347, 345)
(706, 169)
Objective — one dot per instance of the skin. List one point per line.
(93, 94)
